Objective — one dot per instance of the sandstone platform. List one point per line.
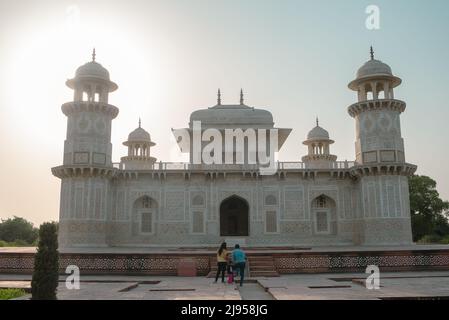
(268, 261)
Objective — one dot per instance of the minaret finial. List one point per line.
(219, 97)
(241, 97)
(372, 53)
(93, 54)
(140, 122)
(317, 122)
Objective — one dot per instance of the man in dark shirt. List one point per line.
(239, 260)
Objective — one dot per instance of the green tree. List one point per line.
(46, 264)
(17, 228)
(428, 210)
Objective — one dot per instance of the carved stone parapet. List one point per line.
(379, 104)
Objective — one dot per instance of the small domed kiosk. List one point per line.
(318, 143)
(139, 144)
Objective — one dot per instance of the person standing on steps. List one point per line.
(239, 260)
(222, 262)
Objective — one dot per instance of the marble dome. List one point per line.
(374, 67)
(318, 133)
(92, 69)
(232, 115)
(139, 135)
(376, 70)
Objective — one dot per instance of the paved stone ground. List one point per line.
(254, 291)
(352, 286)
(288, 287)
(136, 288)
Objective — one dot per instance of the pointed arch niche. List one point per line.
(144, 214)
(324, 215)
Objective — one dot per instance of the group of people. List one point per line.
(233, 263)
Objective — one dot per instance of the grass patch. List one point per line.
(434, 239)
(6, 294)
(16, 243)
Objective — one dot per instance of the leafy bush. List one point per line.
(445, 240)
(434, 239)
(46, 264)
(18, 230)
(430, 239)
(428, 210)
(19, 243)
(6, 294)
(16, 243)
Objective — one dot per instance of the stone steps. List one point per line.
(265, 273)
(259, 266)
(262, 266)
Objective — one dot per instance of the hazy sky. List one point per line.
(294, 58)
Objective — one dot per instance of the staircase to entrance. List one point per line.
(257, 266)
(262, 266)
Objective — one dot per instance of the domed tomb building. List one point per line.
(315, 200)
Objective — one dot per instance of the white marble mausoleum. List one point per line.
(318, 200)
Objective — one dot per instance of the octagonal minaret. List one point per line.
(89, 116)
(383, 215)
(377, 112)
(87, 165)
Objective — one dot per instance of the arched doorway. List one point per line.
(234, 217)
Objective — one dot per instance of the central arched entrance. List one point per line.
(234, 217)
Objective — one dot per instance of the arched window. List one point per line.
(324, 215)
(380, 89)
(146, 208)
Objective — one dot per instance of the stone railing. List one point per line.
(183, 166)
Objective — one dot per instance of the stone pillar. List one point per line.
(374, 90)
(387, 90)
